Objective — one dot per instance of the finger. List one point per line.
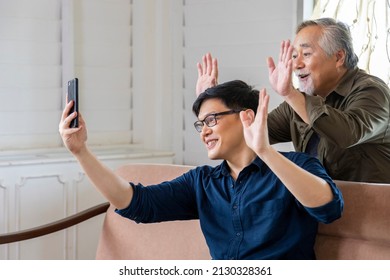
(200, 70)
(286, 51)
(204, 65)
(66, 110)
(289, 54)
(271, 65)
(214, 72)
(81, 120)
(281, 51)
(66, 122)
(209, 66)
(263, 103)
(66, 133)
(64, 126)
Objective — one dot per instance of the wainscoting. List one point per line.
(39, 187)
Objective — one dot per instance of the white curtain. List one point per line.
(370, 28)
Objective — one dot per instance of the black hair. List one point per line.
(236, 95)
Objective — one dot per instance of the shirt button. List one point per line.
(238, 234)
(235, 206)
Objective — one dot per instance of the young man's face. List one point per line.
(225, 139)
(317, 73)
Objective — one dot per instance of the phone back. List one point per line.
(73, 94)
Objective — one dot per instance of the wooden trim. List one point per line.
(54, 226)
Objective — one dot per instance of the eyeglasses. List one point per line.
(211, 120)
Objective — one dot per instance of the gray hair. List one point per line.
(336, 36)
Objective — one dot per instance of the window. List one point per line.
(370, 29)
(45, 42)
(30, 73)
(102, 54)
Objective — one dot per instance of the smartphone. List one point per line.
(73, 94)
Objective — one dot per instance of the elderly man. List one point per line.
(339, 114)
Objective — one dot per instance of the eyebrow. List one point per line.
(305, 45)
(208, 114)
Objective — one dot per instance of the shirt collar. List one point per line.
(345, 86)
(224, 170)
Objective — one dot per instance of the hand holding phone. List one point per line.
(73, 94)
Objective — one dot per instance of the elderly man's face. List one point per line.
(318, 73)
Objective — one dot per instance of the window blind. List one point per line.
(241, 34)
(30, 73)
(32, 70)
(103, 47)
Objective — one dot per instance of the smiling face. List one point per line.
(225, 140)
(318, 73)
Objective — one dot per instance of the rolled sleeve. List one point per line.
(130, 211)
(331, 211)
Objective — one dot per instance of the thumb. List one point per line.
(271, 65)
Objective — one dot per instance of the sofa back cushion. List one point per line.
(363, 231)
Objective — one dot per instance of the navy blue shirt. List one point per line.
(254, 217)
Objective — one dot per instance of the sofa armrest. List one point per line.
(54, 226)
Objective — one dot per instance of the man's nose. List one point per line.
(298, 62)
(205, 129)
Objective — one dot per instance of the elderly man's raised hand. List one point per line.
(280, 75)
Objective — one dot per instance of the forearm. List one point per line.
(309, 190)
(297, 102)
(117, 190)
(364, 119)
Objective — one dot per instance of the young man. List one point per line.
(340, 114)
(257, 204)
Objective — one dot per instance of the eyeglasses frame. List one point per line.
(214, 115)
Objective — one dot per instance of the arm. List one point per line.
(279, 124)
(207, 74)
(309, 190)
(360, 117)
(113, 187)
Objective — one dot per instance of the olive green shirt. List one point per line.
(353, 124)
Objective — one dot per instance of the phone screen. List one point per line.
(73, 94)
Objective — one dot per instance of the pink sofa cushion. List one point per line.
(363, 231)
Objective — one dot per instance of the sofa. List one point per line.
(363, 231)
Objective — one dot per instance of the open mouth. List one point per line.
(211, 143)
(302, 76)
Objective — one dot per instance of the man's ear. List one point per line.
(248, 115)
(340, 57)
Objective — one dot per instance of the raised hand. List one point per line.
(207, 73)
(255, 127)
(74, 138)
(280, 76)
